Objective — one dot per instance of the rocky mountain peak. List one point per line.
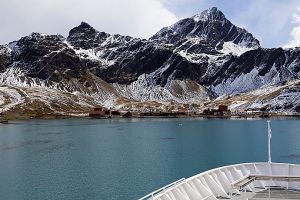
(35, 45)
(210, 14)
(86, 37)
(85, 25)
(83, 28)
(210, 26)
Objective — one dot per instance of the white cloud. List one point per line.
(295, 34)
(267, 20)
(138, 18)
(296, 38)
(296, 18)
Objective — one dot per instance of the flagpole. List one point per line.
(269, 141)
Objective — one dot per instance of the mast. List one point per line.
(269, 141)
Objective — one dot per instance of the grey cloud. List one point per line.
(138, 18)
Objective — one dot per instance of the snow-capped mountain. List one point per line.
(211, 26)
(198, 60)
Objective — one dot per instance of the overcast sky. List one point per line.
(274, 22)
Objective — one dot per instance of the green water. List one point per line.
(126, 159)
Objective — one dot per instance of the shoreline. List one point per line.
(5, 119)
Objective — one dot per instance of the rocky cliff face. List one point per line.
(197, 60)
(5, 57)
(211, 27)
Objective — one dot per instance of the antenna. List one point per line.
(269, 140)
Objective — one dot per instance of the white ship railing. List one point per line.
(152, 194)
(221, 182)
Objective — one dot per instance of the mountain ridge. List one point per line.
(195, 61)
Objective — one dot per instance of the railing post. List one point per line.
(269, 141)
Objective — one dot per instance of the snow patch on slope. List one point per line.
(231, 48)
(275, 98)
(144, 89)
(247, 82)
(9, 98)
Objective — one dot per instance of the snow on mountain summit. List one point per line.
(210, 14)
(211, 26)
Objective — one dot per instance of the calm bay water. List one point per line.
(128, 158)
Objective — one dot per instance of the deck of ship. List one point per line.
(256, 181)
(271, 193)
